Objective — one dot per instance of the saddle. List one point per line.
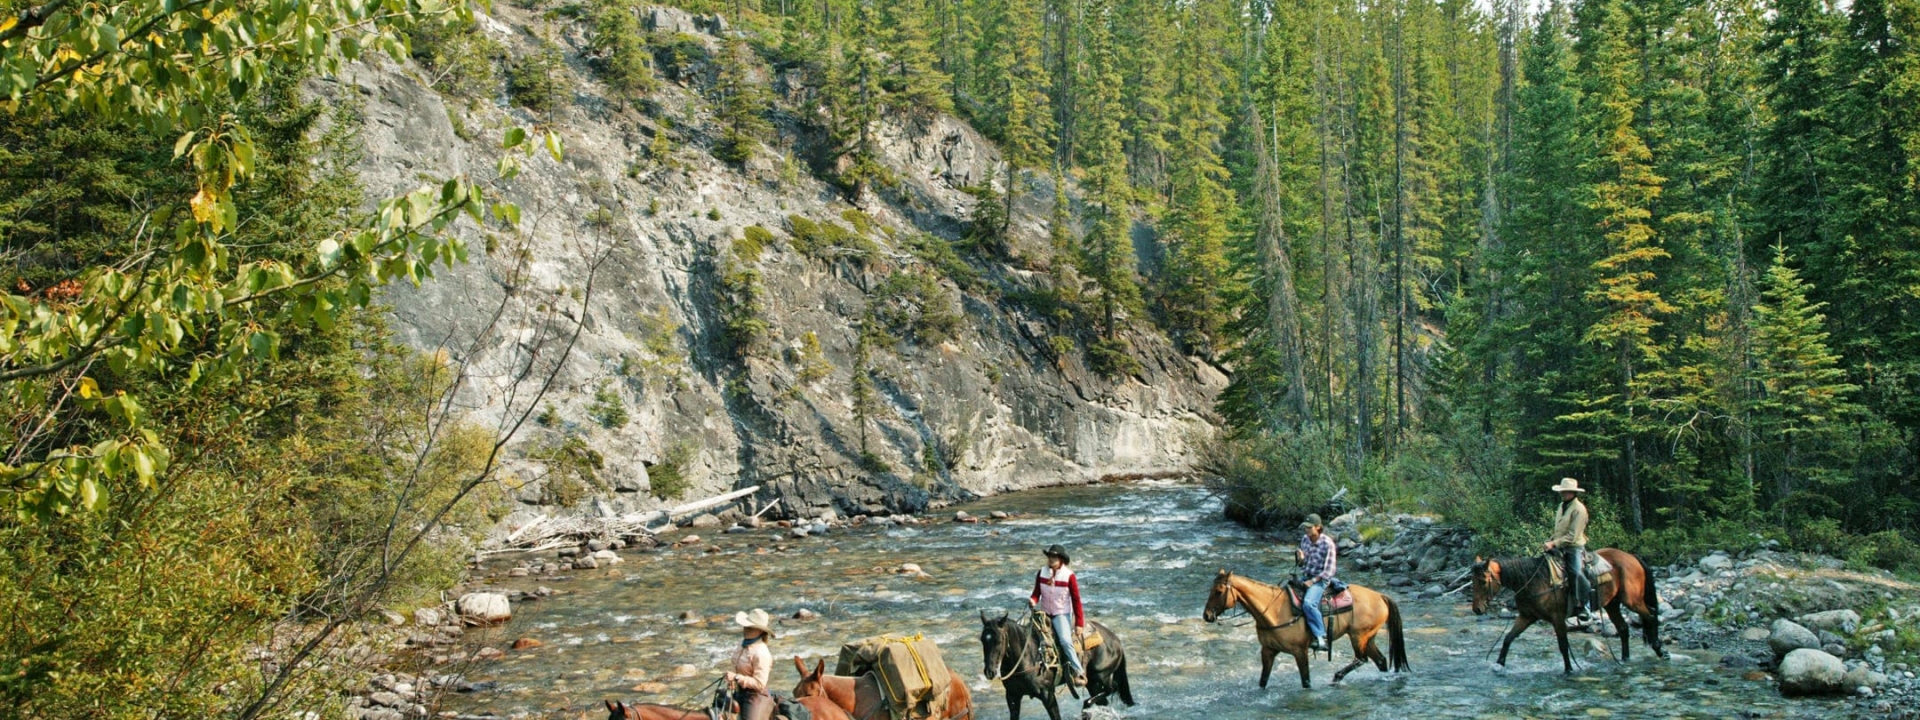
(1337, 600)
(1599, 571)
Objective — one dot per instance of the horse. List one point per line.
(1280, 629)
(722, 709)
(861, 698)
(1538, 599)
(1016, 657)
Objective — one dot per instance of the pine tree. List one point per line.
(1803, 391)
(1196, 229)
(743, 104)
(854, 99)
(912, 77)
(1108, 252)
(1012, 81)
(1622, 187)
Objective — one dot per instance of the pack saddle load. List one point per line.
(910, 671)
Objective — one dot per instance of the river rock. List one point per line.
(1812, 672)
(798, 532)
(526, 643)
(706, 520)
(518, 572)
(585, 563)
(999, 515)
(428, 617)
(608, 556)
(1864, 677)
(1843, 621)
(650, 688)
(391, 618)
(489, 653)
(819, 528)
(688, 540)
(1715, 563)
(685, 670)
(961, 516)
(596, 545)
(387, 699)
(1433, 559)
(1755, 634)
(738, 529)
(805, 614)
(483, 609)
(1788, 636)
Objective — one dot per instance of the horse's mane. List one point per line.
(1518, 573)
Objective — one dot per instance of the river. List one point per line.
(1146, 553)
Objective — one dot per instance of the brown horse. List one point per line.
(1537, 599)
(861, 698)
(819, 708)
(1282, 630)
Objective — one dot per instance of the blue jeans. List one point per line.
(1063, 636)
(1310, 606)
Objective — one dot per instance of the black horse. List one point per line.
(1016, 657)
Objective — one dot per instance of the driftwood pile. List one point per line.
(548, 532)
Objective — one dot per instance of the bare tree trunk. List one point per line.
(1283, 312)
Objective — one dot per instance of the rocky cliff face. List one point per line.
(993, 407)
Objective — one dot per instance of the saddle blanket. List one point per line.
(1333, 604)
(1601, 569)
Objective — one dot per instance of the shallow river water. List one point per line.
(1146, 554)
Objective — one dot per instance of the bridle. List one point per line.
(1233, 598)
(1006, 628)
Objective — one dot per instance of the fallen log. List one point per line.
(547, 532)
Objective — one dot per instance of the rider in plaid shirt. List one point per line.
(1317, 555)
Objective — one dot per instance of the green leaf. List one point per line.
(515, 136)
(180, 146)
(555, 147)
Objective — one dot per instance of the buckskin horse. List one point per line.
(1537, 599)
(1016, 657)
(861, 696)
(1282, 629)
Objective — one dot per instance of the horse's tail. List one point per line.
(1648, 596)
(1120, 682)
(1397, 634)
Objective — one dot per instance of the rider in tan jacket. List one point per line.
(1570, 539)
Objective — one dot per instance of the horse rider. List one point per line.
(1570, 540)
(1317, 556)
(752, 666)
(1056, 592)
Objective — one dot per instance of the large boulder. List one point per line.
(1812, 672)
(1788, 636)
(483, 609)
(1715, 563)
(1839, 621)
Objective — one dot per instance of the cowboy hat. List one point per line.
(1056, 550)
(1568, 485)
(757, 619)
(1312, 521)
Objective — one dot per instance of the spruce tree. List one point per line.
(1108, 251)
(1622, 186)
(1196, 230)
(912, 77)
(1803, 392)
(743, 104)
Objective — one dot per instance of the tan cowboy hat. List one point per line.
(757, 619)
(1568, 485)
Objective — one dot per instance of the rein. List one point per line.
(1259, 618)
(1006, 631)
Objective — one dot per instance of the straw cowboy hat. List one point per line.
(1568, 485)
(757, 619)
(1059, 552)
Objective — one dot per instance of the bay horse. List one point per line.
(1016, 657)
(861, 697)
(1280, 629)
(1537, 599)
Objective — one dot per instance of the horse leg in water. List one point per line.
(1379, 658)
(1051, 703)
(1267, 655)
(1361, 645)
(1300, 658)
(1566, 653)
(1620, 626)
(1520, 625)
